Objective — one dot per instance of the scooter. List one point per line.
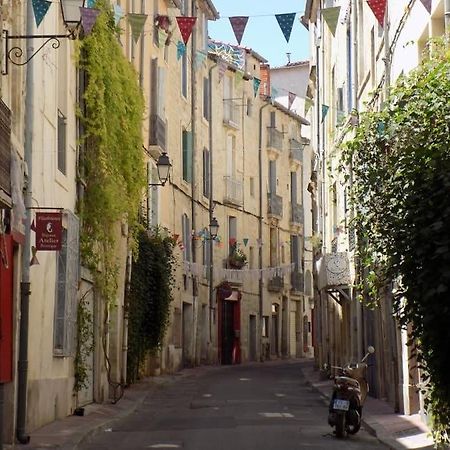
(349, 393)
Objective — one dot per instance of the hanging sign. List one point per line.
(48, 231)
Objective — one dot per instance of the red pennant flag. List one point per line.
(185, 24)
(238, 23)
(292, 97)
(232, 241)
(378, 8)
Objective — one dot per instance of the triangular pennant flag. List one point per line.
(137, 22)
(232, 241)
(181, 49)
(33, 226)
(118, 14)
(427, 4)
(90, 3)
(200, 57)
(345, 12)
(223, 66)
(245, 241)
(88, 18)
(378, 8)
(185, 24)
(161, 38)
(291, 99)
(238, 23)
(239, 77)
(286, 21)
(162, 22)
(308, 104)
(325, 109)
(256, 83)
(40, 8)
(331, 16)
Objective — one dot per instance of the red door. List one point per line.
(6, 297)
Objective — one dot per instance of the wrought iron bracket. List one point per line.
(16, 55)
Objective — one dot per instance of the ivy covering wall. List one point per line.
(400, 158)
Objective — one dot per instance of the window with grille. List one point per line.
(66, 288)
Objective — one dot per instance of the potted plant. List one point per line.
(237, 258)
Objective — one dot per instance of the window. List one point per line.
(273, 247)
(206, 112)
(295, 252)
(265, 326)
(232, 233)
(66, 288)
(152, 203)
(294, 188)
(206, 174)
(272, 119)
(62, 145)
(273, 177)
(184, 8)
(184, 75)
(187, 155)
(249, 107)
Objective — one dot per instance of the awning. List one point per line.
(234, 297)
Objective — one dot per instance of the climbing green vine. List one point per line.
(400, 159)
(148, 304)
(112, 167)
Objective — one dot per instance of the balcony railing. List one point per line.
(157, 135)
(297, 214)
(233, 190)
(274, 205)
(296, 150)
(275, 284)
(231, 112)
(274, 139)
(297, 282)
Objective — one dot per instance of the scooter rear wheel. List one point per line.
(340, 426)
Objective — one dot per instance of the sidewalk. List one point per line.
(396, 431)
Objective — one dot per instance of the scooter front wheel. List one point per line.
(340, 426)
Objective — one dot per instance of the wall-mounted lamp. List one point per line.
(71, 15)
(213, 228)
(163, 166)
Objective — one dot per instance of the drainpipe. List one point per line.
(194, 126)
(123, 380)
(25, 292)
(212, 312)
(260, 228)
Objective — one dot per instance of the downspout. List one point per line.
(194, 128)
(25, 292)
(212, 312)
(123, 380)
(260, 228)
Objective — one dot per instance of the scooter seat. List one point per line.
(347, 380)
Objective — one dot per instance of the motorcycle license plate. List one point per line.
(341, 405)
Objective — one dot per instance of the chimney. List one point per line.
(265, 80)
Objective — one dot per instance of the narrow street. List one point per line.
(261, 406)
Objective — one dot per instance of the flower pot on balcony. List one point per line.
(235, 263)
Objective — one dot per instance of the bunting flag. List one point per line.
(427, 4)
(245, 241)
(40, 8)
(162, 36)
(232, 241)
(286, 21)
(223, 66)
(200, 57)
(238, 23)
(331, 17)
(181, 49)
(185, 24)
(378, 8)
(88, 19)
(90, 3)
(239, 77)
(137, 22)
(345, 12)
(118, 14)
(162, 22)
(308, 104)
(325, 109)
(256, 83)
(292, 97)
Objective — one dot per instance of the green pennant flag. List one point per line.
(331, 17)
(161, 38)
(137, 22)
(256, 83)
(308, 104)
(239, 77)
(325, 109)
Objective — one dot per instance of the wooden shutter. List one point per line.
(5, 148)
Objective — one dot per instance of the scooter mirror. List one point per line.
(370, 349)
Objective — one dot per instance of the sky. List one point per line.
(262, 33)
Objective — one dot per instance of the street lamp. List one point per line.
(163, 166)
(71, 15)
(213, 228)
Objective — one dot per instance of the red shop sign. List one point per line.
(48, 231)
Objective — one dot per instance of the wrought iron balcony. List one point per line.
(231, 112)
(274, 139)
(157, 135)
(275, 284)
(296, 150)
(297, 214)
(297, 282)
(233, 191)
(274, 205)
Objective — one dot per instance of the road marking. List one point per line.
(276, 414)
(280, 395)
(207, 395)
(244, 379)
(164, 446)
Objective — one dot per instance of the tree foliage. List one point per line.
(400, 159)
(148, 304)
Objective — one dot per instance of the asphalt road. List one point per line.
(264, 406)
